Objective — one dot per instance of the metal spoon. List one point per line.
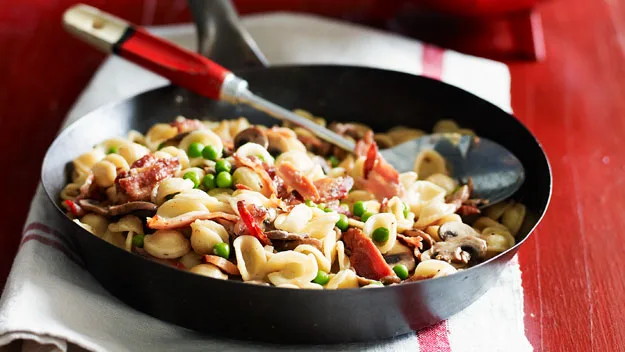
(496, 173)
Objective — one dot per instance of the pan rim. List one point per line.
(81, 120)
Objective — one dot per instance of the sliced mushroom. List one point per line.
(93, 207)
(455, 229)
(131, 207)
(287, 245)
(391, 279)
(251, 135)
(284, 235)
(400, 254)
(118, 210)
(461, 249)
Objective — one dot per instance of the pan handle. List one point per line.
(182, 67)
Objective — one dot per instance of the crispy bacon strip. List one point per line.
(160, 223)
(268, 186)
(187, 125)
(330, 189)
(413, 242)
(293, 177)
(365, 256)
(243, 187)
(252, 226)
(380, 178)
(223, 264)
(468, 210)
(372, 159)
(144, 174)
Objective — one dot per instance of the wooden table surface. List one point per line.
(572, 265)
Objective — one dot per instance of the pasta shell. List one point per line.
(251, 257)
(205, 234)
(445, 182)
(166, 244)
(126, 224)
(209, 270)
(291, 267)
(323, 263)
(433, 268)
(429, 162)
(382, 220)
(513, 218)
(343, 279)
(253, 149)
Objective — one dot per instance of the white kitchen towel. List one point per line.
(52, 303)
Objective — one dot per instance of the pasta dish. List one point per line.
(278, 206)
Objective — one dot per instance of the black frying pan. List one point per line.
(377, 98)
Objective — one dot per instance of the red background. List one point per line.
(572, 101)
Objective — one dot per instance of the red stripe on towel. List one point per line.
(432, 62)
(52, 244)
(434, 338)
(47, 229)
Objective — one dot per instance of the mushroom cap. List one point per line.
(460, 249)
(251, 135)
(455, 229)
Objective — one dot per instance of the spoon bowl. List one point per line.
(496, 173)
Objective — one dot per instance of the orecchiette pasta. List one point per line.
(343, 279)
(251, 258)
(384, 220)
(428, 163)
(291, 267)
(278, 206)
(206, 234)
(167, 244)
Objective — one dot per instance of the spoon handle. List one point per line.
(182, 67)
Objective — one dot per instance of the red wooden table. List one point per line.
(573, 101)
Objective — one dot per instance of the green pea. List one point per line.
(321, 206)
(112, 150)
(310, 203)
(328, 210)
(322, 278)
(137, 240)
(342, 224)
(209, 152)
(224, 180)
(193, 177)
(171, 196)
(195, 150)
(209, 181)
(222, 249)
(406, 210)
(359, 208)
(222, 165)
(401, 271)
(380, 234)
(366, 215)
(334, 162)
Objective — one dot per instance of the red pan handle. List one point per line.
(112, 34)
